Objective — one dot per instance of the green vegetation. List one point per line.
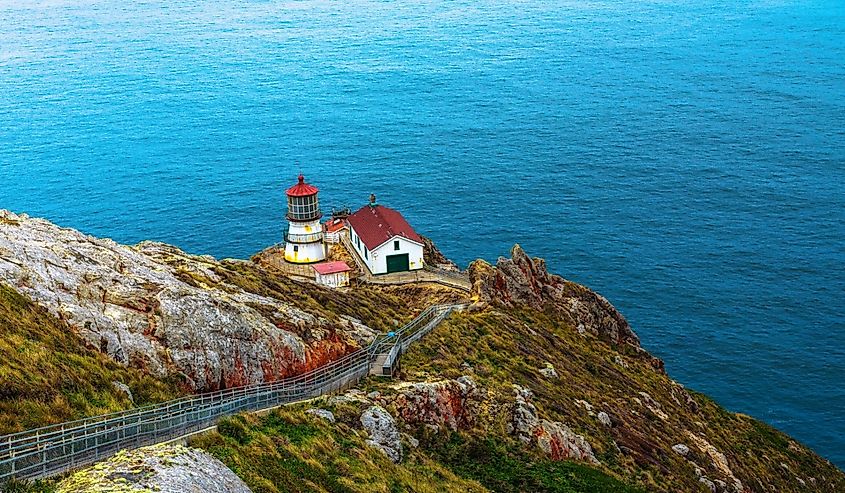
(290, 451)
(510, 469)
(650, 412)
(48, 376)
(28, 487)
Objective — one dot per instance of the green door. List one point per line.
(397, 263)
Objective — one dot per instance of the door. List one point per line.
(397, 263)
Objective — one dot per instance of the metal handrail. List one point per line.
(66, 446)
(303, 238)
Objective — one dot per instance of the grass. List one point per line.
(290, 451)
(508, 346)
(48, 376)
(28, 487)
(506, 468)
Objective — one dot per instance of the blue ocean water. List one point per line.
(684, 158)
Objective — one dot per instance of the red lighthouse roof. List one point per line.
(302, 189)
(377, 224)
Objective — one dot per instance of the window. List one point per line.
(366, 256)
(396, 245)
(303, 208)
(296, 248)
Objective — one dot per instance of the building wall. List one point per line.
(335, 237)
(304, 253)
(335, 280)
(377, 260)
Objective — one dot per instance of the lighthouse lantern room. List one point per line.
(304, 238)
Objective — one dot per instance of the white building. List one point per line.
(335, 228)
(304, 238)
(385, 240)
(332, 274)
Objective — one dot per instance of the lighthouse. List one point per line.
(304, 239)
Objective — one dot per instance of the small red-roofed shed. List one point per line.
(332, 274)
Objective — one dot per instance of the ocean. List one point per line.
(684, 158)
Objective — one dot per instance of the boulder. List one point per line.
(554, 438)
(125, 390)
(322, 413)
(384, 435)
(604, 418)
(549, 371)
(449, 403)
(524, 419)
(719, 461)
(160, 468)
(710, 485)
(561, 443)
(652, 405)
(680, 449)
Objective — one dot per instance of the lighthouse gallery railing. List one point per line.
(63, 447)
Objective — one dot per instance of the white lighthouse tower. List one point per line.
(304, 239)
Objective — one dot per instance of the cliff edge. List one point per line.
(540, 385)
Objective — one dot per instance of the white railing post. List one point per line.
(12, 458)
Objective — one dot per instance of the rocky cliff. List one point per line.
(541, 385)
(522, 280)
(157, 308)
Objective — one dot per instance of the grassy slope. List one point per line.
(506, 347)
(48, 376)
(290, 451)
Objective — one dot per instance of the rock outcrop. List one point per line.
(523, 280)
(718, 461)
(134, 304)
(321, 413)
(449, 403)
(554, 438)
(160, 468)
(384, 435)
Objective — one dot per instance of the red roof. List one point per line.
(331, 267)
(333, 225)
(377, 224)
(302, 189)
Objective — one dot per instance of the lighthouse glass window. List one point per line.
(303, 208)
